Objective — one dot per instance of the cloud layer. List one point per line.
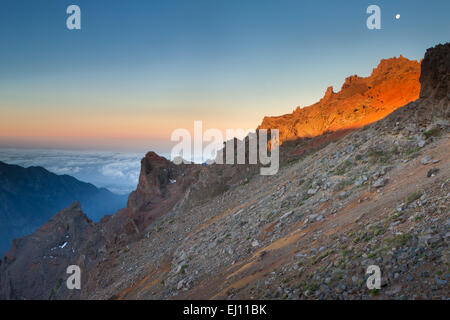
(118, 172)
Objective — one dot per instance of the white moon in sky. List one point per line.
(397, 16)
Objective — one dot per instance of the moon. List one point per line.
(397, 16)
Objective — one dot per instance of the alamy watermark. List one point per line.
(374, 279)
(373, 22)
(74, 280)
(189, 149)
(73, 22)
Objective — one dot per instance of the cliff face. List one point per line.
(392, 84)
(435, 77)
(164, 185)
(156, 176)
(161, 185)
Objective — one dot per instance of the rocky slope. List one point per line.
(392, 84)
(379, 195)
(38, 262)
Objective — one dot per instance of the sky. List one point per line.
(137, 70)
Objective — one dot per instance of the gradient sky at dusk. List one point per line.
(139, 69)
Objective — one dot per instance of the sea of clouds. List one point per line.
(116, 171)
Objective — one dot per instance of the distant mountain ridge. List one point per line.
(30, 196)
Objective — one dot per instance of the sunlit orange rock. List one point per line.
(392, 84)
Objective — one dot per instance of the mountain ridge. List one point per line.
(31, 196)
(308, 232)
(361, 100)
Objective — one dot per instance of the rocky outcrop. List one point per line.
(35, 267)
(432, 110)
(392, 84)
(162, 184)
(435, 77)
(156, 176)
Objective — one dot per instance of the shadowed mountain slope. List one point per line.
(30, 196)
